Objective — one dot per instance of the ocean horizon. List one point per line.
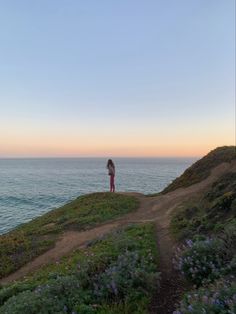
(33, 186)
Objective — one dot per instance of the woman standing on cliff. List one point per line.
(111, 173)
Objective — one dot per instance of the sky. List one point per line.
(116, 78)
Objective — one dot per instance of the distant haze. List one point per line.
(116, 78)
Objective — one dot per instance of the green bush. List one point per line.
(130, 272)
(219, 298)
(203, 261)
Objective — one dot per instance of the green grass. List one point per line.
(85, 266)
(202, 168)
(213, 213)
(31, 239)
(154, 194)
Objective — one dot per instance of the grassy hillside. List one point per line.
(202, 168)
(211, 213)
(206, 224)
(31, 239)
(113, 275)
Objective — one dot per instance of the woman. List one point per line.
(111, 173)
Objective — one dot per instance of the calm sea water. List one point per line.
(31, 187)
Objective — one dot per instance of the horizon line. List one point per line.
(81, 157)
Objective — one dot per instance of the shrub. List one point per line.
(219, 298)
(202, 261)
(131, 272)
(57, 296)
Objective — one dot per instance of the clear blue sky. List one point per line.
(125, 77)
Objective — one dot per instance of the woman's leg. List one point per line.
(113, 183)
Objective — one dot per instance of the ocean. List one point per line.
(32, 187)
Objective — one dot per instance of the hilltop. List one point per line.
(112, 253)
(201, 169)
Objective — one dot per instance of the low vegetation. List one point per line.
(214, 212)
(202, 168)
(31, 239)
(210, 265)
(207, 258)
(217, 298)
(115, 274)
(204, 260)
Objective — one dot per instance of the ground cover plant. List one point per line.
(210, 265)
(115, 274)
(204, 260)
(217, 298)
(31, 239)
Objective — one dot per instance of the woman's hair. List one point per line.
(110, 163)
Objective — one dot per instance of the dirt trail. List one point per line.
(172, 284)
(156, 209)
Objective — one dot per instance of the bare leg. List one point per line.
(113, 183)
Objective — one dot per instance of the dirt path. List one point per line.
(172, 284)
(157, 209)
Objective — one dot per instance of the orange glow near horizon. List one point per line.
(46, 147)
(36, 141)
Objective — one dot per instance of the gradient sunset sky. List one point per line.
(116, 78)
